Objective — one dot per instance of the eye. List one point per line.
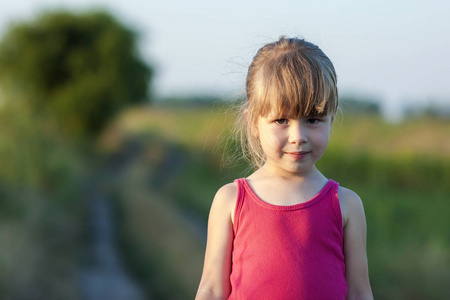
(312, 121)
(282, 121)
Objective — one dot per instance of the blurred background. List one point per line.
(116, 131)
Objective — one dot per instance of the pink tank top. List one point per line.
(288, 252)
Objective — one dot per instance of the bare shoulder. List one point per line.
(351, 204)
(227, 194)
(225, 200)
(227, 191)
(348, 197)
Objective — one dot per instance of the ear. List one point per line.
(251, 125)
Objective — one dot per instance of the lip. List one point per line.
(298, 154)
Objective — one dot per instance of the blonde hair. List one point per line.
(292, 77)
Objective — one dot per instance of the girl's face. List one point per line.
(293, 145)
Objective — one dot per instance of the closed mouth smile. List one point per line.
(297, 154)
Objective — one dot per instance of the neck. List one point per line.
(312, 174)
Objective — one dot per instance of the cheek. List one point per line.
(270, 141)
(324, 138)
(320, 137)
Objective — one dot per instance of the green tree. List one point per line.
(79, 69)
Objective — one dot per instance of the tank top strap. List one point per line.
(334, 191)
(239, 202)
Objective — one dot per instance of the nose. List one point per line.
(297, 133)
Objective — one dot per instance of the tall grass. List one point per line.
(40, 209)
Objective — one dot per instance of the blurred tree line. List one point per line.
(63, 76)
(358, 105)
(79, 69)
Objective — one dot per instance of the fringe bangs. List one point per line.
(294, 88)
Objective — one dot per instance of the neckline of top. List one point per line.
(297, 206)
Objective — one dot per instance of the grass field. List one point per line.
(41, 209)
(401, 171)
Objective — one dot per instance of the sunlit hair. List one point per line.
(289, 78)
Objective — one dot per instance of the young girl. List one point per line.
(286, 231)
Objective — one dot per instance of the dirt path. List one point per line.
(106, 276)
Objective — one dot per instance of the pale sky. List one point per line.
(396, 51)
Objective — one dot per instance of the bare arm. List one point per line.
(215, 281)
(357, 274)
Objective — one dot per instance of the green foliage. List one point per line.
(33, 154)
(431, 111)
(355, 105)
(41, 208)
(191, 101)
(81, 69)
